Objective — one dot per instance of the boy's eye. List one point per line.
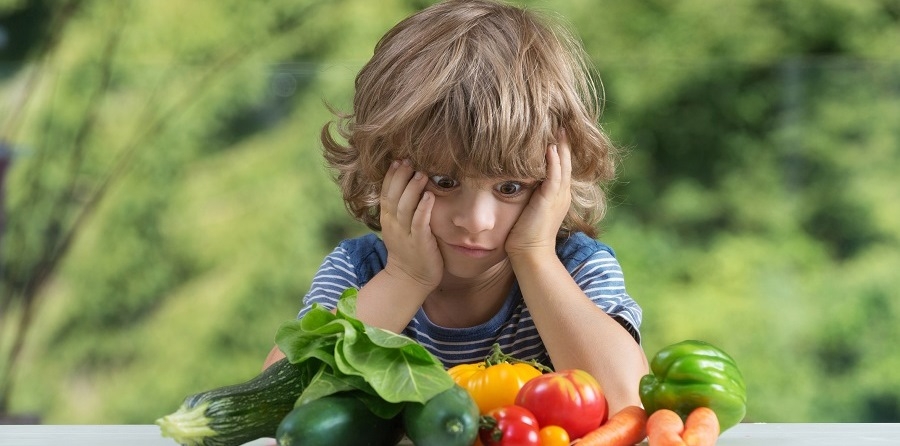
(443, 181)
(509, 188)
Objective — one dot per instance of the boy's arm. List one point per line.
(414, 265)
(274, 356)
(389, 302)
(577, 333)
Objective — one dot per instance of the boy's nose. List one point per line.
(476, 213)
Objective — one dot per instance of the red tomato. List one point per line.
(570, 399)
(515, 426)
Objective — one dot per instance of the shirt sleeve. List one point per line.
(334, 276)
(600, 277)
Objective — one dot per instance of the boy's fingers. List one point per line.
(421, 220)
(394, 185)
(410, 198)
(554, 169)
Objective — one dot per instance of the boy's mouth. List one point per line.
(471, 250)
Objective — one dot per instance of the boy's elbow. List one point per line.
(274, 356)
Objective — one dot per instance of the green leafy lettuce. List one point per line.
(385, 369)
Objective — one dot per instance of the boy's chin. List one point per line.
(468, 270)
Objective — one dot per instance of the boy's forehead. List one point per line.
(472, 172)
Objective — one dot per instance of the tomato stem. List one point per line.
(491, 425)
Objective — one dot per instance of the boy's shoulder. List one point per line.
(367, 255)
(363, 246)
(578, 246)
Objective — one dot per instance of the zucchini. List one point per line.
(339, 419)
(239, 413)
(450, 418)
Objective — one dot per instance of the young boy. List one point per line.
(474, 148)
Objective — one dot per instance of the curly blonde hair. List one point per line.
(473, 88)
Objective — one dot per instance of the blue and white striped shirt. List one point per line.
(592, 264)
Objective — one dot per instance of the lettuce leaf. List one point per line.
(387, 369)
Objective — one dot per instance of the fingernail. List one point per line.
(395, 164)
(417, 175)
(554, 148)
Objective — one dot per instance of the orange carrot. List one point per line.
(664, 428)
(701, 428)
(626, 428)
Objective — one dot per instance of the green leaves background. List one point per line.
(167, 205)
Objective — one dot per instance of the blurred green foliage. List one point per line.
(167, 165)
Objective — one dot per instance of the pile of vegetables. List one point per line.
(694, 392)
(523, 403)
(346, 383)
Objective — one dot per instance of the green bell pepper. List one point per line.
(691, 374)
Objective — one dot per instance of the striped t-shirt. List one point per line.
(592, 264)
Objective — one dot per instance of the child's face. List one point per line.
(472, 217)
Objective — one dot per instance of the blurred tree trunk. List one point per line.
(18, 292)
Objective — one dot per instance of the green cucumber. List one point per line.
(339, 419)
(236, 414)
(448, 419)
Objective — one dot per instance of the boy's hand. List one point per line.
(535, 230)
(413, 255)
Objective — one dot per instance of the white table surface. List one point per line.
(746, 434)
